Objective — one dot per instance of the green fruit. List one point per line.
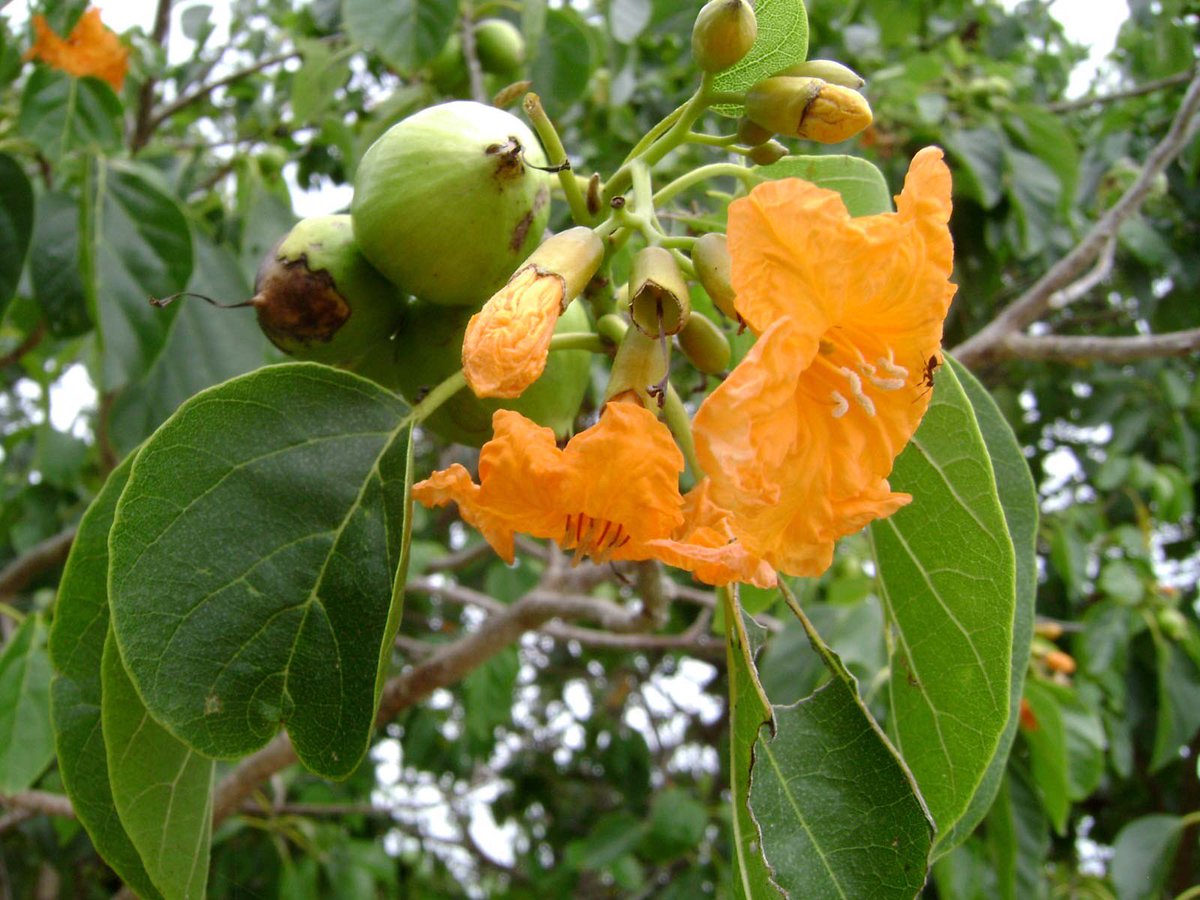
(318, 299)
(447, 203)
(429, 349)
(500, 46)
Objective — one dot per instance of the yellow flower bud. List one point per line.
(724, 32)
(710, 256)
(808, 108)
(705, 345)
(826, 70)
(658, 295)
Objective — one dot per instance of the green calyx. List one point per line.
(317, 297)
(448, 202)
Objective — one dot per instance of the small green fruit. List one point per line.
(317, 298)
(500, 46)
(448, 202)
(429, 349)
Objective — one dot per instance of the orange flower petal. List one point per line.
(507, 342)
(90, 49)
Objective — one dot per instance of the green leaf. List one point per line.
(1018, 500)
(253, 556)
(948, 577)
(488, 698)
(1044, 134)
(54, 265)
(1035, 193)
(1019, 839)
(76, 647)
(980, 152)
(859, 182)
(782, 42)
(1142, 856)
(137, 245)
(676, 826)
(839, 812)
(316, 83)
(1178, 702)
(628, 18)
(60, 113)
(406, 33)
(563, 65)
(1047, 740)
(16, 225)
(203, 346)
(163, 791)
(749, 711)
(26, 736)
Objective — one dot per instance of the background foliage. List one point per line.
(602, 757)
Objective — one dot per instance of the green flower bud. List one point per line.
(710, 257)
(705, 345)
(826, 70)
(724, 32)
(500, 46)
(767, 154)
(638, 366)
(659, 302)
(751, 134)
(808, 108)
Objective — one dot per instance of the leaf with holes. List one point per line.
(947, 573)
(256, 567)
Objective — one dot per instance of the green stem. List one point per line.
(677, 419)
(712, 140)
(557, 156)
(438, 396)
(655, 133)
(12, 612)
(580, 340)
(714, 170)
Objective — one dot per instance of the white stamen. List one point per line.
(887, 384)
(841, 407)
(856, 390)
(891, 368)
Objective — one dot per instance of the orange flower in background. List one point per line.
(611, 494)
(90, 49)
(801, 437)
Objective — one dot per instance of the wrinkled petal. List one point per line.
(90, 49)
(507, 342)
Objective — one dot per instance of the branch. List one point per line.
(144, 127)
(41, 556)
(1063, 348)
(471, 55)
(39, 802)
(986, 346)
(1140, 90)
(31, 340)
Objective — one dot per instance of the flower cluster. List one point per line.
(90, 49)
(797, 443)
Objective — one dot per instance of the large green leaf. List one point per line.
(948, 577)
(60, 113)
(860, 183)
(782, 42)
(163, 790)
(839, 812)
(1178, 701)
(562, 67)
(203, 346)
(16, 225)
(26, 736)
(1018, 499)
(253, 555)
(1046, 737)
(1142, 855)
(406, 33)
(76, 648)
(749, 711)
(54, 265)
(1019, 839)
(137, 245)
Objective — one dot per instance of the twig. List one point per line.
(143, 128)
(39, 802)
(986, 346)
(1140, 90)
(317, 809)
(1083, 286)
(460, 558)
(471, 55)
(31, 340)
(1072, 348)
(41, 556)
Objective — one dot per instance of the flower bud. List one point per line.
(705, 345)
(751, 134)
(767, 154)
(808, 108)
(659, 302)
(507, 342)
(724, 32)
(826, 70)
(710, 256)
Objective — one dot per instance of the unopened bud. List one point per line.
(574, 255)
(724, 32)
(710, 257)
(659, 302)
(767, 154)
(1058, 661)
(808, 108)
(826, 70)
(705, 345)
(751, 134)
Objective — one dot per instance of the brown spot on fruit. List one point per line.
(521, 231)
(509, 162)
(296, 304)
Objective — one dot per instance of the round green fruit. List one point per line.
(428, 350)
(317, 298)
(448, 202)
(500, 46)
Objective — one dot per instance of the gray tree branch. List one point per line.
(41, 556)
(1071, 348)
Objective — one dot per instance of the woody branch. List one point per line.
(1004, 337)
